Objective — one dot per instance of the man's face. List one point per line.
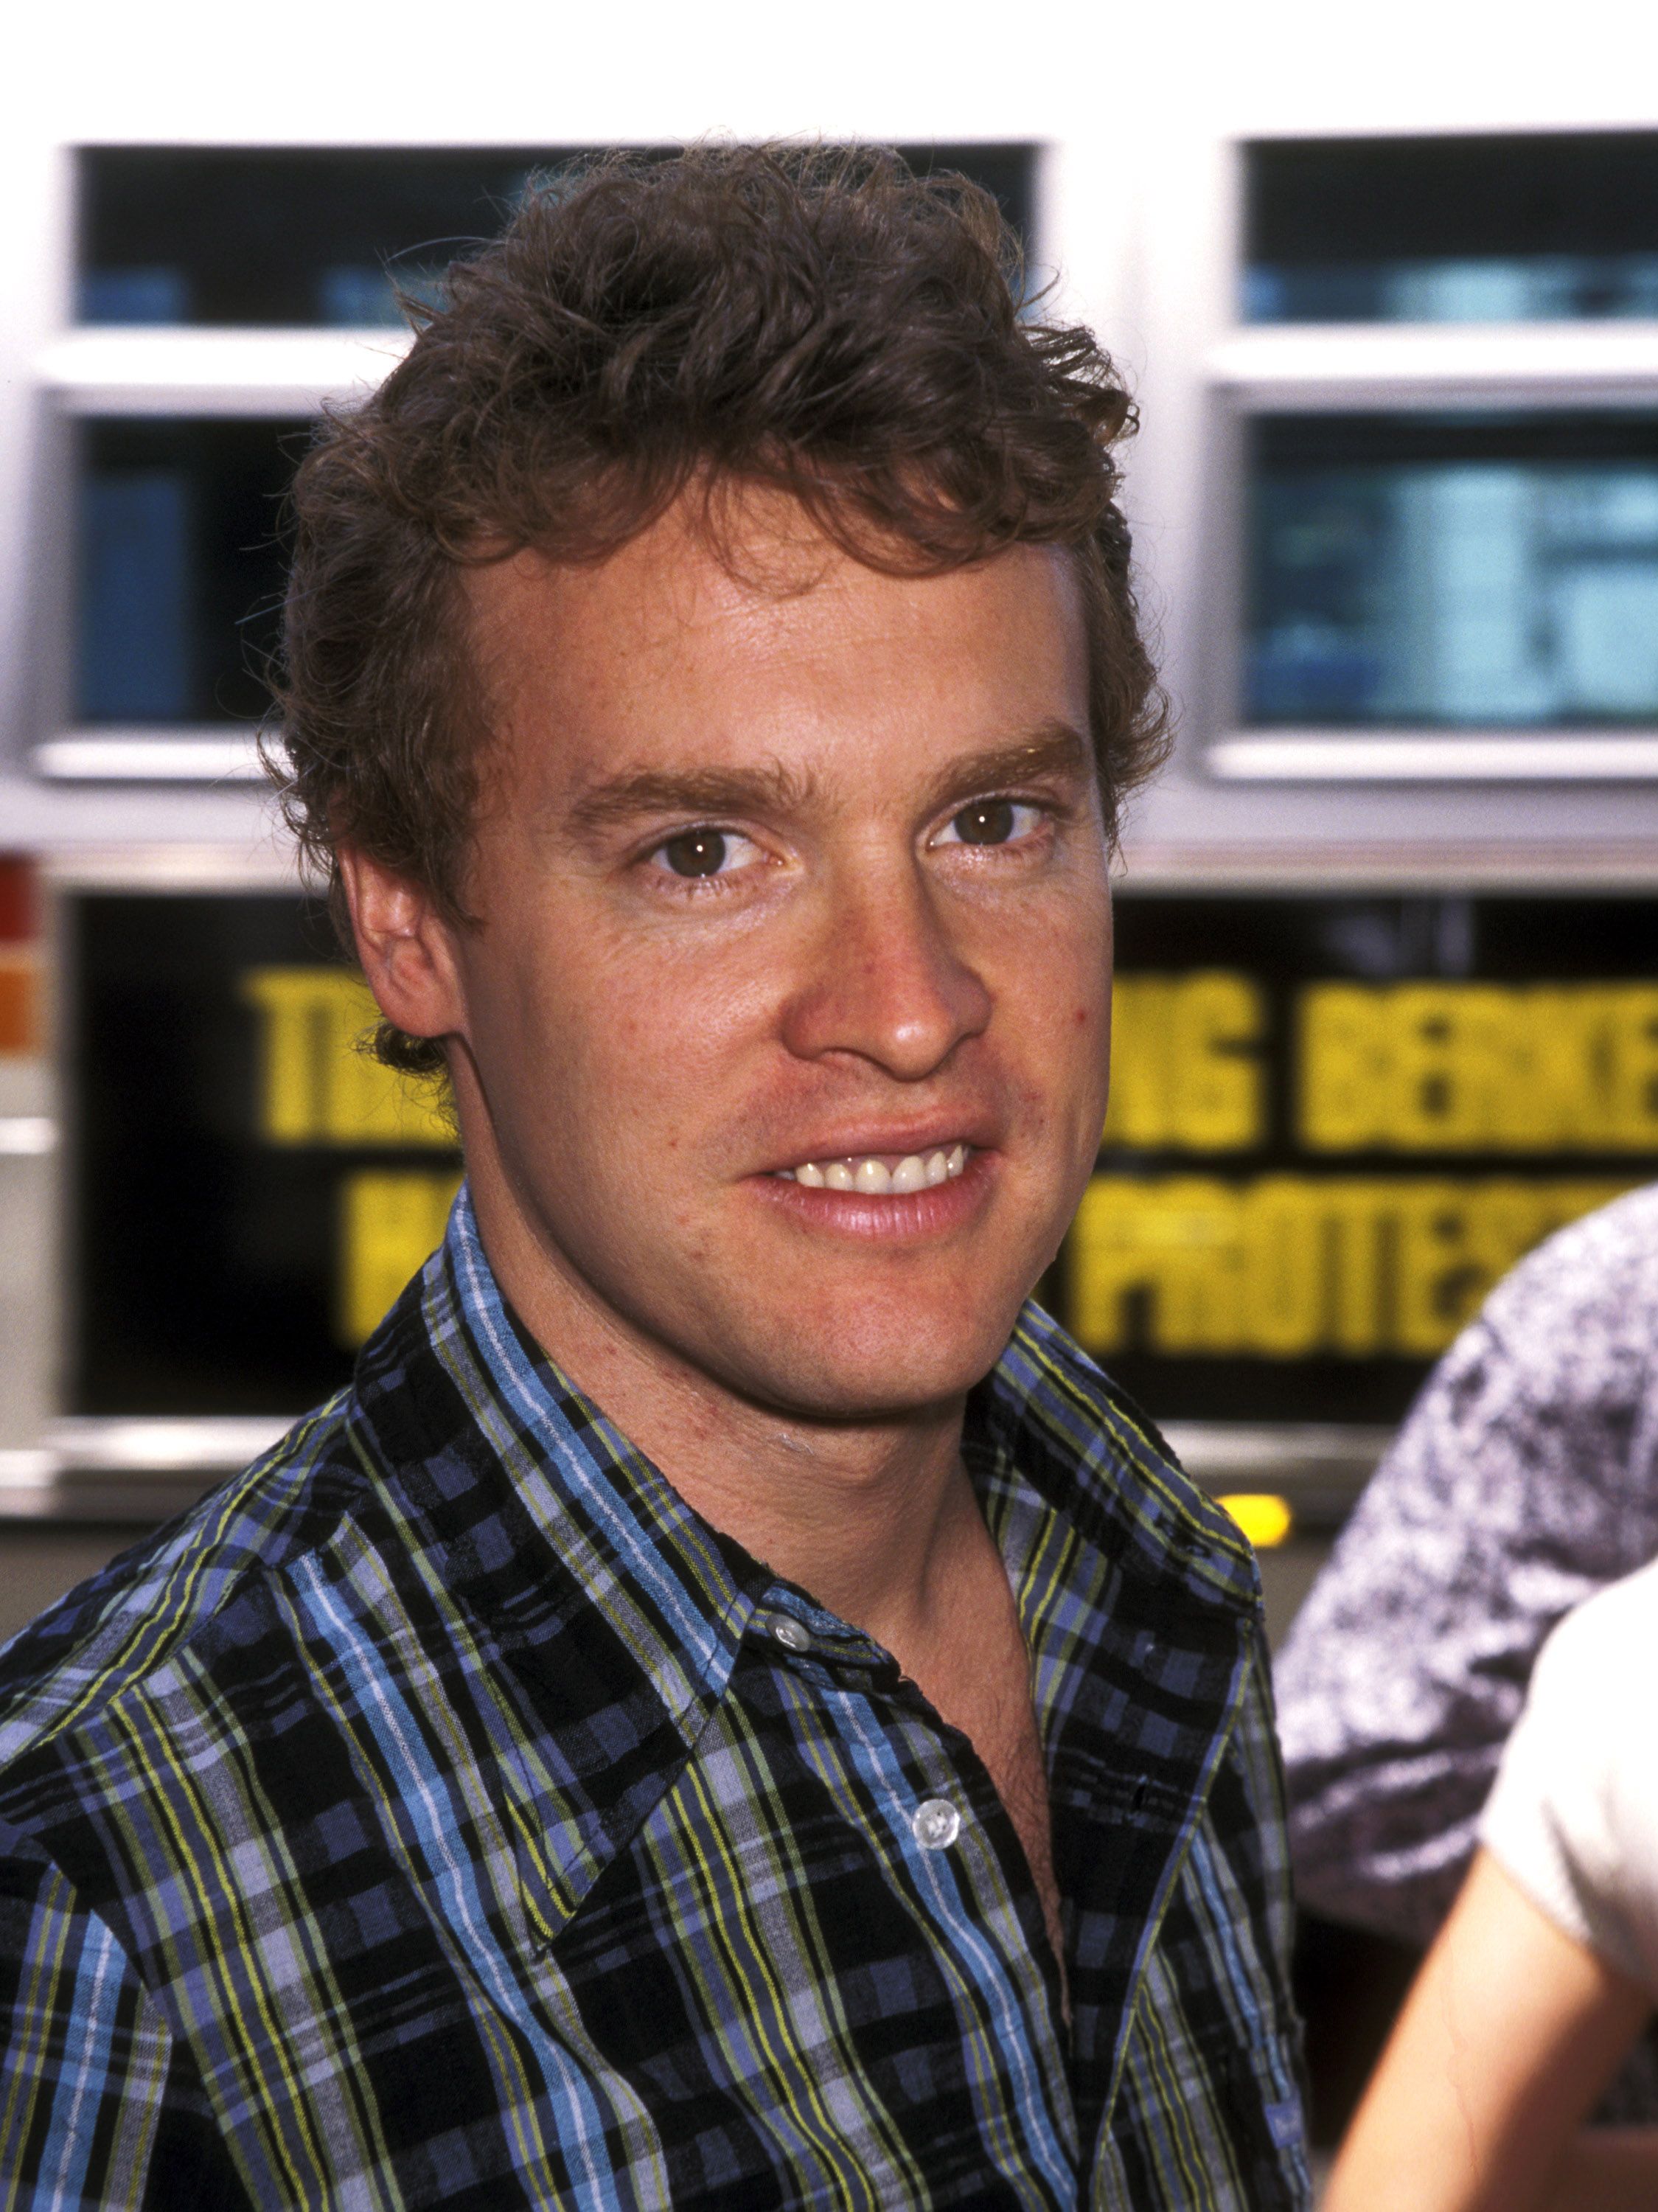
(788, 881)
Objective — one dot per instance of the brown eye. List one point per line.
(987, 821)
(695, 852)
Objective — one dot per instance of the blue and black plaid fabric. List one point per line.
(435, 1816)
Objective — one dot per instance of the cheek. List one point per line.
(652, 1043)
(1056, 1006)
(1064, 972)
(1086, 1045)
(1073, 1011)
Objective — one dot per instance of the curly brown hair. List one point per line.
(824, 323)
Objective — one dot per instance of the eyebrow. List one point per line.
(749, 791)
(1053, 749)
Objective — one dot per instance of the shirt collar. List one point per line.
(1046, 1436)
(679, 1594)
(1049, 1428)
(533, 1512)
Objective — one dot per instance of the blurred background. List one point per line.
(1386, 283)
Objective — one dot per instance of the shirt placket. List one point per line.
(950, 1847)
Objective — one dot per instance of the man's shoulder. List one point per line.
(1122, 1474)
(169, 1595)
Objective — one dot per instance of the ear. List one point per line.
(406, 947)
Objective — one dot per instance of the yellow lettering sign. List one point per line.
(1632, 1079)
(1451, 1068)
(1185, 1071)
(1287, 1266)
(390, 1223)
(317, 1083)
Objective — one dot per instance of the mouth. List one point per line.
(882, 1175)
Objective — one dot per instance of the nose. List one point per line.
(883, 982)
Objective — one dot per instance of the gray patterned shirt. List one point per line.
(1525, 1478)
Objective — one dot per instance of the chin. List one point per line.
(877, 1361)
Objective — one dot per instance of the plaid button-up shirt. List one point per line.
(442, 1814)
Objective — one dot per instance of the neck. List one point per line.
(867, 1516)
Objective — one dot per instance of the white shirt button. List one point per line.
(936, 1823)
(790, 1634)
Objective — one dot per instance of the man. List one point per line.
(730, 1708)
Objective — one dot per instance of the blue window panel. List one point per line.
(357, 296)
(1454, 592)
(135, 645)
(1471, 228)
(134, 296)
(296, 236)
(1581, 288)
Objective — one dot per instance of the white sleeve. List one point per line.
(1573, 1817)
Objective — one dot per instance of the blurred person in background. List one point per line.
(1547, 1967)
(1525, 1479)
(732, 1706)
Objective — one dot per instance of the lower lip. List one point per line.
(906, 1218)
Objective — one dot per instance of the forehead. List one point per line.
(772, 638)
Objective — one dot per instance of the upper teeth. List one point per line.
(918, 1171)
